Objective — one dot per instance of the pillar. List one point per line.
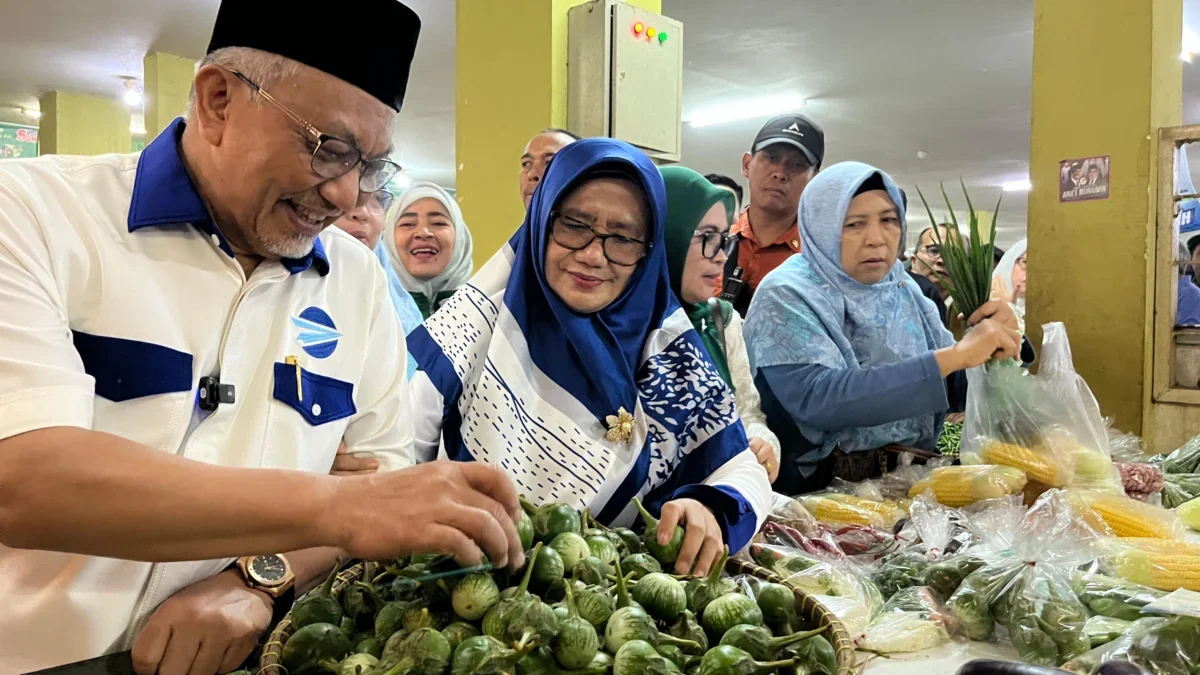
(167, 81)
(82, 124)
(1090, 262)
(511, 83)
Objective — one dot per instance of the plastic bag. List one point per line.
(933, 528)
(1158, 563)
(1047, 425)
(959, 486)
(843, 586)
(1112, 597)
(1163, 646)
(1186, 459)
(1102, 630)
(1180, 488)
(1027, 591)
(1124, 447)
(1121, 516)
(912, 620)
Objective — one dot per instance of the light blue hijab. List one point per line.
(410, 316)
(809, 311)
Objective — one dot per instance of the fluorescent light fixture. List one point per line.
(401, 182)
(1186, 56)
(1190, 43)
(746, 109)
(133, 98)
(31, 113)
(1018, 186)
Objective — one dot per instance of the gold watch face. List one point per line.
(267, 570)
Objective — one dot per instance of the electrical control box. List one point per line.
(625, 76)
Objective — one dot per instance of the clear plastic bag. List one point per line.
(912, 620)
(959, 486)
(1026, 590)
(1163, 646)
(1122, 516)
(1185, 459)
(935, 531)
(1112, 597)
(1163, 564)
(1047, 425)
(842, 586)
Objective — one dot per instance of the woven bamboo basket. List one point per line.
(808, 609)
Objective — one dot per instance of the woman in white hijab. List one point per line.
(429, 245)
(1008, 284)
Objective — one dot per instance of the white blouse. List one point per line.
(749, 403)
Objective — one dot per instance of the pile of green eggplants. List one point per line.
(589, 601)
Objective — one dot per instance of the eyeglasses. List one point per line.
(575, 235)
(712, 243)
(332, 157)
(933, 250)
(379, 201)
(1021, 262)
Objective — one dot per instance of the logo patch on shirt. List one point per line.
(318, 334)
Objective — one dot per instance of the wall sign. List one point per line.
(1080, 180)
(17, 140)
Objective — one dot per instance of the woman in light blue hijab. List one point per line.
(848, 354)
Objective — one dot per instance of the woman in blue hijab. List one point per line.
(568, 362)
(848, 354)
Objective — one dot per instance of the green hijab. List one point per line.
(689, 197)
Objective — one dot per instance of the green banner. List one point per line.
(18, 141)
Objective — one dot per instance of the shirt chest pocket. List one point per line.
(129, 369)
(317, 398)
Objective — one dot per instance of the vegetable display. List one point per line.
(573, 609)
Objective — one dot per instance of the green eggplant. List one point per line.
(778, 605)
(687, 628)
(700, 592)
(485, 655)
(577, 643)
(638, 657)
(355, 664)
(495, 622)
(474, 595)
(417, 617)
(633, 623)
(726, 660)
(319, 605)
(309, 646)
(370, 646)
(814, 656)
(629, 539)
(348, 627)
(666, 554)
(728, 611)
(571, 548)
(534, 622)
(603, 549)
(423, 652)
(551, 520)
(758, 642)
(357, 604)
(640, 564)
(457, 632)
(590, 570)
(661, 595)
(525, 530)
(549, 569)
(595, 605)
(677, 656)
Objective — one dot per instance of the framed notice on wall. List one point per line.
(1081, 180)
(17, 140)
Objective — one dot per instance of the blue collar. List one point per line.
(163, 194)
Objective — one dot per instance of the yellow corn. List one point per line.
(1130, 518)
(957, 486)
(891, 511)
(834, 512)
(1155, 564)
(1038, 466)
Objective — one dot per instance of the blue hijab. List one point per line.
(533, 386)
(809, 311)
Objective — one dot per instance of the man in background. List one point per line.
(927, 259)
(721, 180)
(538, 153)
(784, 157)
(365, 222)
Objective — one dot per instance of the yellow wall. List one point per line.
(511, 83)
(80, 124)
(1106, 76)
(168, 79)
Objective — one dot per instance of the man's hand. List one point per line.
(346, 464)
(765, 455)
(445, 507)
(209, 627)
(702, 545)
(998, 311)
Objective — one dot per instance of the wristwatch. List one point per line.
(270, 574)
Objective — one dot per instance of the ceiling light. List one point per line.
(1190, 44)
(132, 97)
(746, 109)
(401, 182)
(31, 113)
(1018, 186)
(1186, 56)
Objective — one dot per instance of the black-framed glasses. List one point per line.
(379, 201)
(576, 235)
(333, 157)
(712, 243)
(933, 250)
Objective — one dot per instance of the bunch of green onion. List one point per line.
(969, 265)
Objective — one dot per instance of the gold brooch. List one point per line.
(620, 426)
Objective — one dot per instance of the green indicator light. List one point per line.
(662, 37)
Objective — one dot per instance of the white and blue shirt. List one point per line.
(117, 295)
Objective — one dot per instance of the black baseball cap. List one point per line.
(795, 130)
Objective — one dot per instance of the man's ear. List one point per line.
(212, 101)
(746, 165)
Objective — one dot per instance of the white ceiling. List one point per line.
(886, 79)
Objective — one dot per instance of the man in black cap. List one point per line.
(183, 345)
(785, 155)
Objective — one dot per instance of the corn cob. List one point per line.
(1130, 518)
(1150, 565)
(891, 511)
(1038, 466)
(958, 486)
(834, 512)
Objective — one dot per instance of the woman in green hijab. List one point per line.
(697, 230)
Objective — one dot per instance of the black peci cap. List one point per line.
(795, 130)
(377, 61)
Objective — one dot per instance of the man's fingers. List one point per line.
(693, 541)
(149, 647)
(181, 652)
(710, 552)
(444, 539)
(986, 310)
(480, 527)
(671, 514)
(208, 658)
(498, 513)
(350, 464)
(236, 653)
(492, 481)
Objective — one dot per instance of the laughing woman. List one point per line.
(698, 218)
(568, 362)
(848, 354)
(429, 245)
